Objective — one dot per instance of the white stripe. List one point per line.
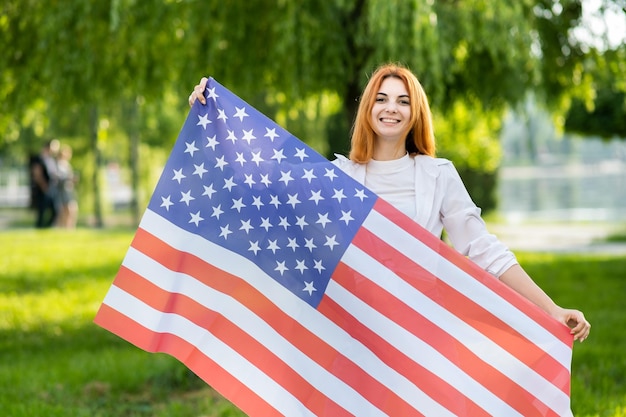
(412, 346)
(209, 345)
(250, 323)
(449, 273)
(483, 347)
(292, 306)
(457, 278)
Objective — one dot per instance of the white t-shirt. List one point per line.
(395, 182)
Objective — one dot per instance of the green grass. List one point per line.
(595, 284)
(55, 362)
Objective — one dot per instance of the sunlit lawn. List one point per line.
(55, 362)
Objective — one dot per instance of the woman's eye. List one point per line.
(380, 99)
(405, 102)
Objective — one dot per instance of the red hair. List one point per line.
(419, 140)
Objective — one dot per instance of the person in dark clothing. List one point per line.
(43, 171)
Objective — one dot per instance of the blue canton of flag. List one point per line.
(241, 181)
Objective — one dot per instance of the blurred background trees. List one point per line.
(111, 77)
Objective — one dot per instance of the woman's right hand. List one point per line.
(198, 92)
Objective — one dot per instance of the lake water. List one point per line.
(590, 187)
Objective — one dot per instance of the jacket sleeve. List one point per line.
(465, 227)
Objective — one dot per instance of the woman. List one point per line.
(393, 154)
(66, 197)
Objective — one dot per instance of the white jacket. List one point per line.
(443, 202)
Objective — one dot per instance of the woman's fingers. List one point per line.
(580, 327)
(198, 92)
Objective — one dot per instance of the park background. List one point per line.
(528, 100)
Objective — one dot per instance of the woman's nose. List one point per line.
(392, 107)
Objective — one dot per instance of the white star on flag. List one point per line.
(203, 121)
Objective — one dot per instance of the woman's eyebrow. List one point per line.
(380, 93)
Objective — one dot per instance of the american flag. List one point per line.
(295, 291)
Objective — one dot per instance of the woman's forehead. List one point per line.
(393, 85)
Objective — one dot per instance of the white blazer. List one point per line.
(442, 202)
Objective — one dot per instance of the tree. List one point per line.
(473, 53)
(603, 113)
(483, 55)
(83, 60)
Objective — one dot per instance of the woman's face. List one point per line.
(391, 113)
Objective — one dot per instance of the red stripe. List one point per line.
(202, 365)
(432, 385)
(302, 338)
(485, 374)
(266, 360)
(557, 329)
(467, 310)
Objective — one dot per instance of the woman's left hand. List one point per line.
(576, 321)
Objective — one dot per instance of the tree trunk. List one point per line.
(95, 148)
(134, 141)
(356, 61)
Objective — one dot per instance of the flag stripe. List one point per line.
(431, 384)
(307, 342)
(116, 318)
(419, 352)
(453, 301)
(507, 304)
(395, 226)
(536, 385)
(510, 394)
(262, 321)
(264, 359)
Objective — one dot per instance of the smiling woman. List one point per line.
(392, 154)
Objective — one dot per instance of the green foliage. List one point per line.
(132, 63)
(603, 112)
(55, 362)
(486, 51)
(561, 57)
(607, 118)
(466, 134)
(617, 237)
(122, 48)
